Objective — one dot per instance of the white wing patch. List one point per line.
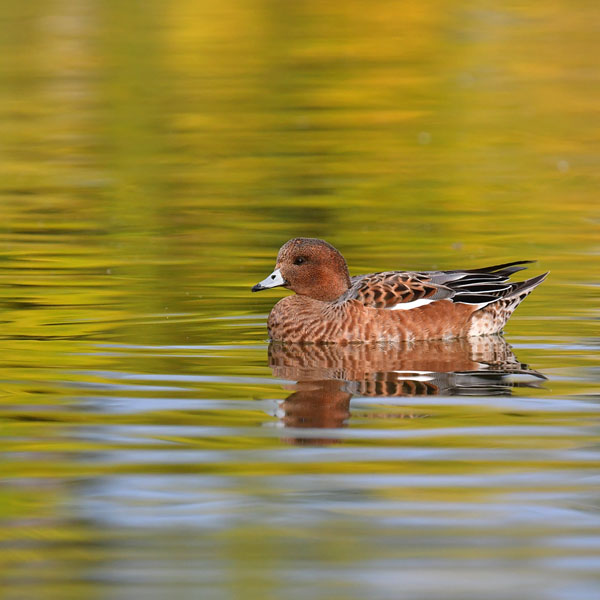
(411, 305)
(479, 304)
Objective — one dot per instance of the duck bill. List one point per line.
(275, 279)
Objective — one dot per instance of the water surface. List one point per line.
(154, 158)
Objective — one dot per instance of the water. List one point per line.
(154, 158)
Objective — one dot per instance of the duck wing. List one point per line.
(394, 289)
(399, 290)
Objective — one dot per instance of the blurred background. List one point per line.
(154, 156)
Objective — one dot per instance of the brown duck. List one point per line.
(392, 306)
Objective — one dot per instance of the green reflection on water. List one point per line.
(154, 157)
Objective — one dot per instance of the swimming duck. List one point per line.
(392, 306)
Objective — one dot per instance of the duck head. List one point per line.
(310, 267)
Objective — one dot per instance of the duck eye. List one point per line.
(299, 260)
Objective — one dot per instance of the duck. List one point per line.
(329, 306)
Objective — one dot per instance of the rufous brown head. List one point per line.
(310, 267)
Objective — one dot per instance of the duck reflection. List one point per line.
(328, 376)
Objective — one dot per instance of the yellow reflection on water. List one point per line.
(153, 158)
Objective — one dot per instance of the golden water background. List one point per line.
(153, 157)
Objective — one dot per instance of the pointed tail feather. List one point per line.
(526, 286)
(503, 267)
